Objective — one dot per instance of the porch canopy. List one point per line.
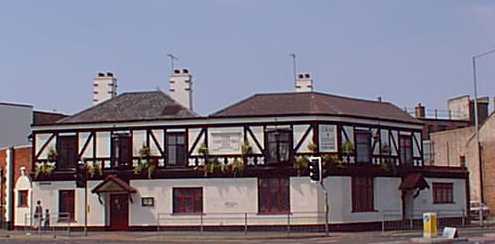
(113, 184)
(413, 181)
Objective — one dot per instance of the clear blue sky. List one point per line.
(405, 51)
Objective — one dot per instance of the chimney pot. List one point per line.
(101, 74)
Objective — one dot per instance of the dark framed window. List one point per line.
(22, 199)
(147, 202)
(273, 195)
(176, 148)
(406, 151)
(121, 150)
(188, 200)
(362, 194)
(66, 205)
(279, 146)
(363, 146)
(443, 193)
(67, 147)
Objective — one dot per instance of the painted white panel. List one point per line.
(102, 144)
(138, 141)
(159, 137)
(225, 140)
(259, 135)
(41, 139)
(88, 152)
(192, 136)
(298, 133)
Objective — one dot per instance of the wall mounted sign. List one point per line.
(327, 138)
(147, 202)
(225, 142)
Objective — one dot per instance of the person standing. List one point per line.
(38, 215)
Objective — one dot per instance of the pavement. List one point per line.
(472, 234)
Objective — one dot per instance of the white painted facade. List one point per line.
(226, 202)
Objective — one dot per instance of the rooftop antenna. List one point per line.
(293, 56)
(172, 63)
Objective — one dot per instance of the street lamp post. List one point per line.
(476, 125)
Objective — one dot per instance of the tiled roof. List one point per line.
(313, 103)
(132, 106)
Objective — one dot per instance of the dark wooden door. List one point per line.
(119, 211)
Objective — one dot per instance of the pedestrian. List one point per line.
(38, 215)
(47, 219)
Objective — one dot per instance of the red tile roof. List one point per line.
(413, 181)
(314, 103)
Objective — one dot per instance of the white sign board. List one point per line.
(327, 138)
(225, 142)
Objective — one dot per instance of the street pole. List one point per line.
(327, 210)
(476, 125)
(85, 202)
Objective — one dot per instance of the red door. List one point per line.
(119, 211)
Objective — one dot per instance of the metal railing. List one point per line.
(53, 224)
(242, 221)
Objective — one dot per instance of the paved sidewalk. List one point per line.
(483, 235)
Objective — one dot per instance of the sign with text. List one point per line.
(327, 138)
(225, 142)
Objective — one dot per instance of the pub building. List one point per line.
(145, 160)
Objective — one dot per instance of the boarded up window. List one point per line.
(67, 152)
(362, 194)
(66, 205)
(273, 195)
(188, 200)
(363, 146)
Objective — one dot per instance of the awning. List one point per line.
(413, 181)
(113, 184)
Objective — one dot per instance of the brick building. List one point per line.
(454, 147)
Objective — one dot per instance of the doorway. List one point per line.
(119, 211)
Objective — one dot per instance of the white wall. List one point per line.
(15, 125)
(226, 200)
(48, 194)
(21, 216)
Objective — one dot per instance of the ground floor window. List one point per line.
(273, 195)
(443, 193)
(188, 200)
(362, 194)
(66, 205)
(22, 197)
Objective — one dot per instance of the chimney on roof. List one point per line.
(304, 82)
(181, 87)
(419, 111)
(104, 87)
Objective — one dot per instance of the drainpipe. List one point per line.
(9, 189)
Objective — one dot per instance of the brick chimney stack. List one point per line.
(419, 111)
